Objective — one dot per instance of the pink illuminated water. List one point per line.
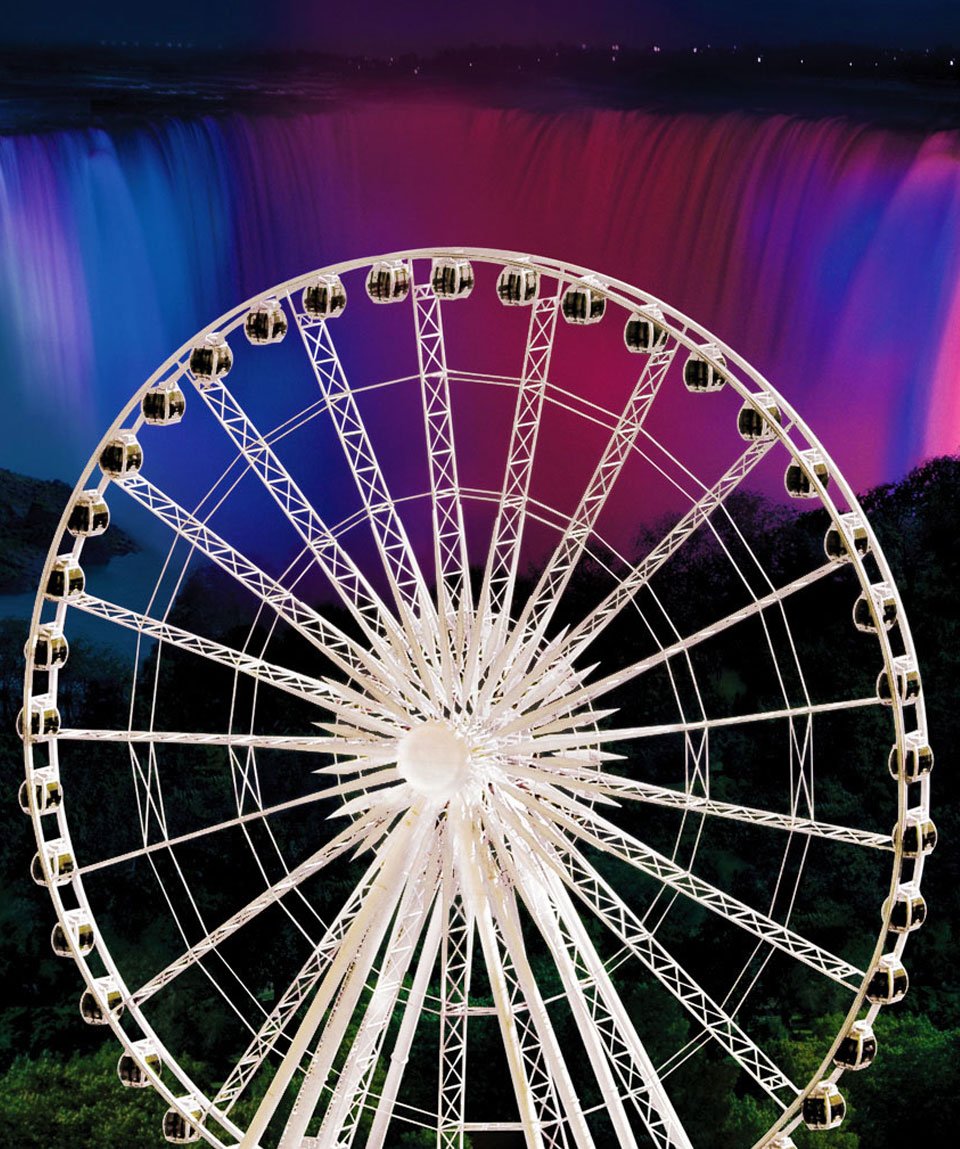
(827, 253)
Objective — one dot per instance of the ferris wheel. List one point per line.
(495, 759)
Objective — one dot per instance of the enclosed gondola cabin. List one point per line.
(59, 863)
(518, 285)
(47, 794)
(642, 334)
(583, 303)
(918, 836)
(98, 1003)
(76, 928)
(44, 719)
(917, 758)
(757, 421)
(211, 359)
(880, 605)
(451, 278)
(858, 1048)
(134, 1069)
(324, 298)
(908, 911)
(849, 538)
(388, 282)
(65, 580)
(701, 376)
(163, 406)
(89, 515)
(823, 1107)
(49, 648)
(266, 322)
(176, 1128)
(800, 474)
(904, 683)
(889, 982)
(121, 456)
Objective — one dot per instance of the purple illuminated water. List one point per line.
(827, 253)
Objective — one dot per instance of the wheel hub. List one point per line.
(434, 759)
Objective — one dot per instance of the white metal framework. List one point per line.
(478, 728)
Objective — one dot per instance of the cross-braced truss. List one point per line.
(489, 784)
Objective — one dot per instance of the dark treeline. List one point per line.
(58, 1085)
(30, 511)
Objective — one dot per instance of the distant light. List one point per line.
(694, 51)
(614, 47)
(801, 59)
(656, 47)
(759, 59)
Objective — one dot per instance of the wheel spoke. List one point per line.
(516, 656)
(544, 1045)
(587, 739)
(411, 1016)
(529, 696)
(299, 989)
(330, 695)
(340, 1121)
(456, 964)
(449, 539)
(536, 1098)
(588, 826)
(379, 679)
(539, 608)
(346, 979)
(415, 609)
(378, 778)
(604, 1026)
(355, 834)
(503, 559)
(305, 744)
(369, 610)
(597, 784)
(582, 880)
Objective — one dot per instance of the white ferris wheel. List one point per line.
(481, 774)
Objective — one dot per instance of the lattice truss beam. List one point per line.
(500, 572)
(451, 561)
(396, 553)
(377, 622)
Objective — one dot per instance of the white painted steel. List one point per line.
(479, 766)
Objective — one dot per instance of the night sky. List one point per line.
(384, 26)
